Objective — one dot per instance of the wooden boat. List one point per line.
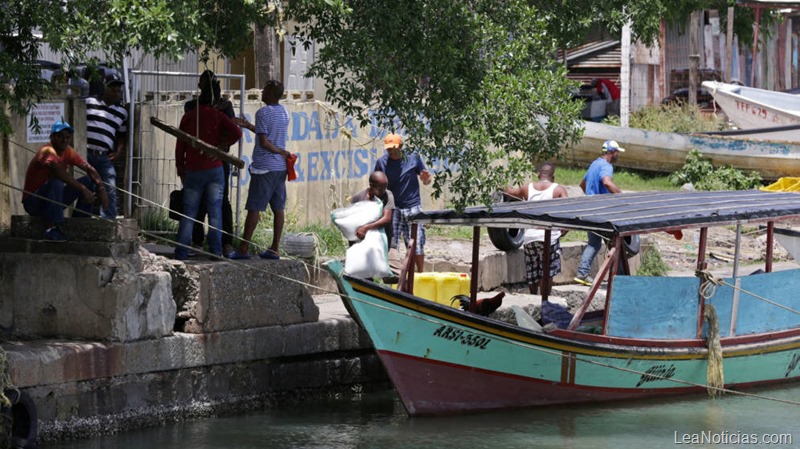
(666, 152)
(751, 108)
(657, 336)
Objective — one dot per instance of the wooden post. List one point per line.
(770, 243)
(205, 147)
(625, 77)
(476, 261)
(755, 47)
(729, 46)
(694, 56)
(701, 265)
(545, 281)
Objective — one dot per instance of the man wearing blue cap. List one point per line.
(49, 187)
(598, 181)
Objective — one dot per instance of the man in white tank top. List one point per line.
(543, 189)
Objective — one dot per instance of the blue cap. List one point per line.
(61, 126)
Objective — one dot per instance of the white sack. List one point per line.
(368, 258)
(349, 219)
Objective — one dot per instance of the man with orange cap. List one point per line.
(404, 171)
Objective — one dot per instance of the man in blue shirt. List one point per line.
(402, 171)
(267, 170)
(597, 181)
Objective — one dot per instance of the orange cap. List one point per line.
(392, 141)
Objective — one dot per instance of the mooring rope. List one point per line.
(715, 377)
(709, 283)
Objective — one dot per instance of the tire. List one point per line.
(505, 239)
(24, 419)
(632, 245)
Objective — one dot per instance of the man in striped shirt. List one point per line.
(268, 170)
(106, 128)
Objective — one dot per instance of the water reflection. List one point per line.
(378, 420)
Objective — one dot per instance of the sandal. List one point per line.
(269, 254)
(234, 255)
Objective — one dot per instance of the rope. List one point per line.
(709, 283)
(715, 377)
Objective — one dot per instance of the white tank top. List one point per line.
(536, 234)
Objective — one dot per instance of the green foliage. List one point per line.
(674, 118)
(466, 81)
(652, 263)
(77, 28)
(704, 176)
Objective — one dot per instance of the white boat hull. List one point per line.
(751, 108)
(666, 152)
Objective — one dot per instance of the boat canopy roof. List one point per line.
(629, 213)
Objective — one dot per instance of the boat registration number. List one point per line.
(465, 338)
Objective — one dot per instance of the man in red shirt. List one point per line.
(202, 175)
(49, 187)
(611, 93)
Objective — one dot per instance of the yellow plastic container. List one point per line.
(441, 287)
(425, 285)
(449, 285)
(784, 185)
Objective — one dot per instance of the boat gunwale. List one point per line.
(584, 343)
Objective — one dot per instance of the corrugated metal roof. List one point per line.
(630, 212)
(595, 55)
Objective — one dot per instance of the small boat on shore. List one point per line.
(666, 152)
(752, 108)
(656, 336)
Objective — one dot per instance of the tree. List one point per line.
(472, 82)
(169, 28)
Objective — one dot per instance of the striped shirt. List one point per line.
(273, 121)
(103, 123)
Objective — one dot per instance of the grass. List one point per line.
(652, 263)
(625, 179)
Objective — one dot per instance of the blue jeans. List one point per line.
(105, 167)
(589, 253)
(199, 185)
(59, 196)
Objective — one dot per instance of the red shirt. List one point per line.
(39, 169)
(215, 129)
(609, 85)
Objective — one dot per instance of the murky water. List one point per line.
(378, 420)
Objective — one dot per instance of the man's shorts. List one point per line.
(533, 261)
(267, 188)
(402, 227)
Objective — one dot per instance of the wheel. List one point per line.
(23, 417)
(505, 239)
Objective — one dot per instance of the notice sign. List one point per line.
(46, 114)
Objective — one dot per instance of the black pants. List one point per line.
(198, 234)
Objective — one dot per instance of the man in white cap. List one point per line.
(597, 181)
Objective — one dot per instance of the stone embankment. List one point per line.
(104, 335)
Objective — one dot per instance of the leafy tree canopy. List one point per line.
(474, 82)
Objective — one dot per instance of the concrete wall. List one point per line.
(336, 156)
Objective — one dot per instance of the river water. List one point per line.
(378, 420)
